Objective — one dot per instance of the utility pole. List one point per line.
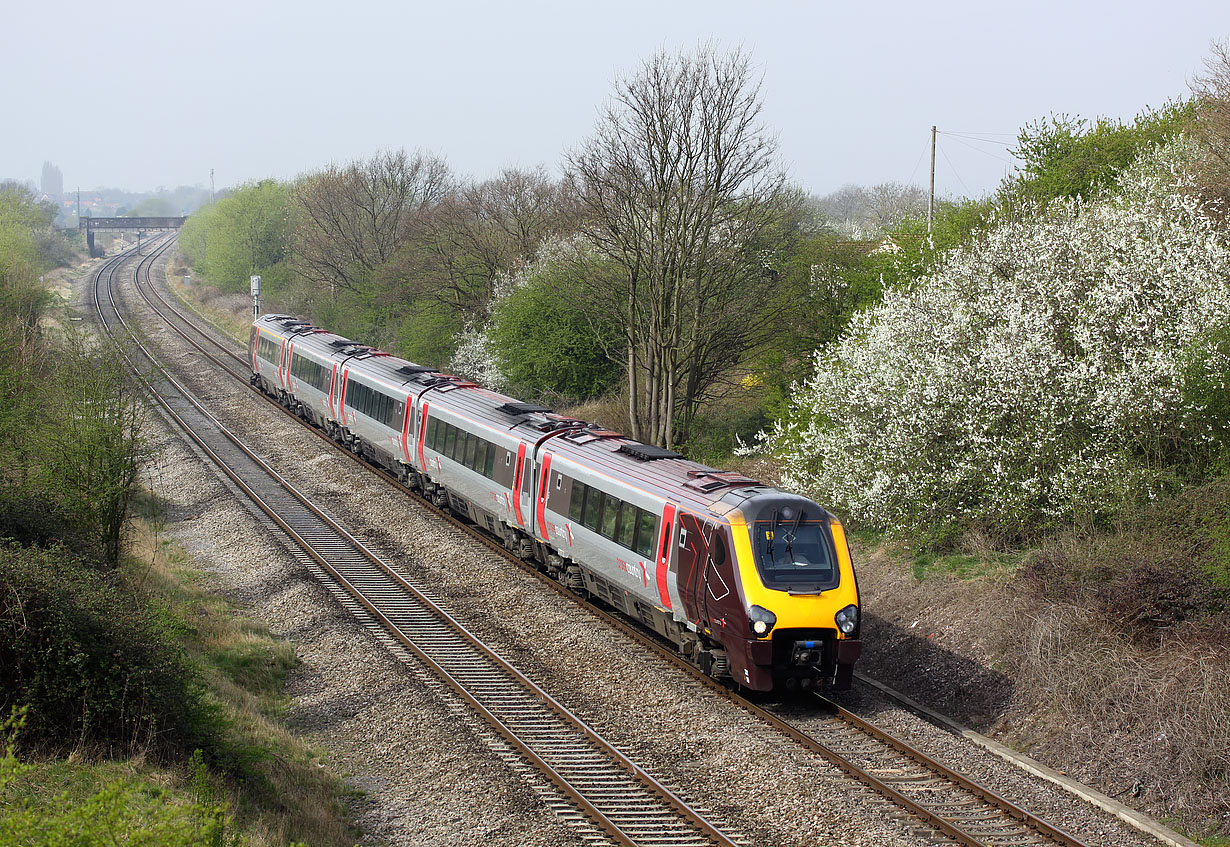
(211, 180)
(931, 195)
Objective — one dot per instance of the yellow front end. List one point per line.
(803, 644)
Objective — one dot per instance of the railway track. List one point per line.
(617, 797)
(949, 806)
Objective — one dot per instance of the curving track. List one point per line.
(950, 807)
(614, 794)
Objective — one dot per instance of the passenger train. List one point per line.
(753, 585)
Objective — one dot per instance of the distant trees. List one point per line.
(859, 212)
(351, 220)
(676, 186)
(247, 232)
(152, 207)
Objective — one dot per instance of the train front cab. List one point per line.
(800, 594)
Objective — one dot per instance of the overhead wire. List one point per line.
(959, 140)
(968, 193)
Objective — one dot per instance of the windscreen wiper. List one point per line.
(793, 529)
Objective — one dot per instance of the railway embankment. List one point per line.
(1103, 658)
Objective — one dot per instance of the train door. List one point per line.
(542, 479)
(284, 366)
(705, 574)
(333, 392)
(720, 588)
(519, 486)
(690, 555)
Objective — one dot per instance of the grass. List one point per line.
(964, 565)
(269, 787)
(278, 786)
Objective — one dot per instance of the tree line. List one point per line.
(670, 260)
(671, 265)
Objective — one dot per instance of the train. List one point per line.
(752, 584)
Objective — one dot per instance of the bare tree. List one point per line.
(351, 220)
(1212, 91)
(677, 184)
(478, 232)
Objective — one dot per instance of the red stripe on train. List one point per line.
(664, 553)
(543, 486)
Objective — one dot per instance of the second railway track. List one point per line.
(952, 807)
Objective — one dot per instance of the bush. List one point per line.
(94, 664)
(1072, 157)
(546, 346)
(1035, 381)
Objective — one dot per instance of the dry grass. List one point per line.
(284, 793)
(1154, 719)
(231, 312)
(1092, 654)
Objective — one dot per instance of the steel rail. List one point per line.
(948, 825)
(657, 814)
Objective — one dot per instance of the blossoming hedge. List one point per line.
(1042, 376)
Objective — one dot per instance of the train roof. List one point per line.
(656, 470)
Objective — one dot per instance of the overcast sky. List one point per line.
(143, 95)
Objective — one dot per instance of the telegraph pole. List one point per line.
(931, 195)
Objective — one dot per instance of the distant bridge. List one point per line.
(93, 225)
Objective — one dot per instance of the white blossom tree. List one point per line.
(1038, 377)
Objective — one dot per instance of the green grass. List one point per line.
(81, 803)
(964, 565)
(286, 793)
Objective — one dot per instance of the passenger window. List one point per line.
(450, 440)
(627, 526)
(578, 498)
(489, 467)
(646, 524)
(525, 478)
(471, 451)
(610, 513)
(593, 502)
(431, 432)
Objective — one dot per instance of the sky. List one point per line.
(141, 96)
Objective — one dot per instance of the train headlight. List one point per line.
(762, 621)
(847, 619)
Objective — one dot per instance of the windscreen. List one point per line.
(794, 550)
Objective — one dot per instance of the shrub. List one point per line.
(538, 344)
(95, 665)
(1036, 380)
